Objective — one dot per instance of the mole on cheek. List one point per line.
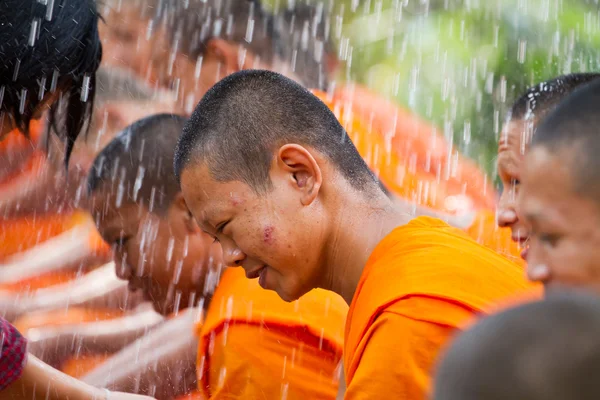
(268, 234)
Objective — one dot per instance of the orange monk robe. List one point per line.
(253, 345)
(419, 142)
(422, 282)
(396, 169)
(485, 231)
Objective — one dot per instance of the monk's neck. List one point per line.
(357, 230)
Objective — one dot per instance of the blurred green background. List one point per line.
(460, 64)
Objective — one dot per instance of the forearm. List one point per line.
(161, 363)
(40, 381)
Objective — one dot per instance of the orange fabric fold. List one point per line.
(252, 344)
(485, 231)
(421, 283)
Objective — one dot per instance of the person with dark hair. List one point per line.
(259, 158)
(160, 250)
(547, 350)
(561, 208)
(500, 229)
(50, 54)
(525, 115)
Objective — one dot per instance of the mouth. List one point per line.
(255, 273)
(524, 253)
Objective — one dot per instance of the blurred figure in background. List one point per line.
(190, 47)
(547, 350)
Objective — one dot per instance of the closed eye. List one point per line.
(121, 241)
(220, 228)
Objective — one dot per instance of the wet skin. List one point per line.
(165, 256)
(564, 222)
(514, 143)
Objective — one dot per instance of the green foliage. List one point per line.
(460, 64)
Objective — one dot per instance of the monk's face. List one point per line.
(165, 256)
(565, 233)
(514, 142)
(273, 236)
(131, 41)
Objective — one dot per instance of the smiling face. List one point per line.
(513, 145)
(276, 237)
(565, 237)
(166, 257)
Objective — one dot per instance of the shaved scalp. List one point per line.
(538, 100)
(573, 129)
(136, 165)
(246, 117)
(548, 350)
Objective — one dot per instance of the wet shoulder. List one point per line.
(429, 257)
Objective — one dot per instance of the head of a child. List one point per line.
(525, 115)
(560, 196)
(139, 210)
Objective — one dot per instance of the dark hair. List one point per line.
(243, 118)
(539, 351)
(139, 161)
(574, 124)
(48, 46)
(541, 98)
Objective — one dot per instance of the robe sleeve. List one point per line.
(13, 351)
(401, 347)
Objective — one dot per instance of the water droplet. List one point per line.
(49, 10)
(33, 31)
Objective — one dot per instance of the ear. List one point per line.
(231, 55)
(179, 211)
(304, 171)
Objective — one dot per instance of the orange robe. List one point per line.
(422, 282)
(485, 231)
(396, 167)
(253, 345)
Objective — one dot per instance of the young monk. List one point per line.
(525, 115)
(561, 208)
(280, 160)
(250, 344)
(540, 351)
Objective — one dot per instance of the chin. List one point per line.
(290, 295)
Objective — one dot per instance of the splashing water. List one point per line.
(455, 65)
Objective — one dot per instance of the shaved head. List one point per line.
(246, 117)
(572, 129)
(547, 350)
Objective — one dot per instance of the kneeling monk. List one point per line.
(251, 344)
(267, 170)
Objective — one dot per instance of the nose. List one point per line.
(233, 256)
(507, 217)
